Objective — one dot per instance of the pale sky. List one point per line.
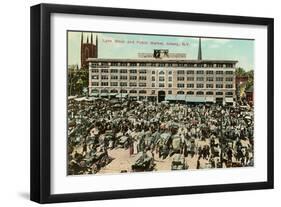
(112, 45)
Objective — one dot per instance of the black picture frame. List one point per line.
(41, 95)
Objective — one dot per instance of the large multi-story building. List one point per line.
(163, 76)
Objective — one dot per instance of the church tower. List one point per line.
(88, 50)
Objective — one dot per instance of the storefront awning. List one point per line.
(170, 98)
(195, 99)
(210, 99)
(180, 97)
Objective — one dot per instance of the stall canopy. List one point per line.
(71, 97)
(95, 93)
(80, 99)
(91, 99)
(229, 100)
(104, 94)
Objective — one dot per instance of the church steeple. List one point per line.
(199, 50)
(88, 48)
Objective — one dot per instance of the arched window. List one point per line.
(161, 72)
(190, 93)
(199, 93)
(209, 93)
(133, 91)
(180, 92)
(113, 91)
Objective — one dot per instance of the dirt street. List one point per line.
(123, 161)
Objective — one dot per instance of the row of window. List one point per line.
(201, 72)
(141, 71)
(121, 91)
(191, 65)
(132, 84)
(202, 93)
(201, 85)
(162, 85)
(122, 77)
(160, 78)
(220, 93)
(210, 79)
(179, 72)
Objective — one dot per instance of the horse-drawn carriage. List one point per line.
(164, 145)
(105, 139)
(179, 163)
(97, 161)
(123, 142)
(176, 144)
(89, 164)
(174, 128)
(190, 148)
(143, 163)
(234, 164)
(215, 150)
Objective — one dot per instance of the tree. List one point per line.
(240, 71)
(77, 80)
(250, 82)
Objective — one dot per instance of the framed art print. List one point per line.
(132, 103)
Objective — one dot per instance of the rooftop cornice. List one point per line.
(146, 60)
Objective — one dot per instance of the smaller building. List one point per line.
(250, 95)
(240, 80)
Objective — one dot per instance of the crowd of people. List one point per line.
(222, 136)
